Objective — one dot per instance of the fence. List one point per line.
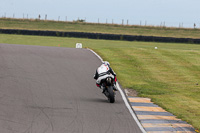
(108, 21)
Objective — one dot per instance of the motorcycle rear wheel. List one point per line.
(111, 97)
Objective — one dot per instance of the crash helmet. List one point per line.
(106, 63)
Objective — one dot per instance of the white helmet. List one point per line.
(106, 63)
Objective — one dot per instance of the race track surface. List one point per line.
(52, 90)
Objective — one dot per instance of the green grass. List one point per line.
(169, 74)
(98, 28)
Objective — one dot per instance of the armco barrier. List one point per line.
(100, 36)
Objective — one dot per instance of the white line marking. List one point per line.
(96, 55)
(125, 100)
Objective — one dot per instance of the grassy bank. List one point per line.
(98, 28)
(170, 75)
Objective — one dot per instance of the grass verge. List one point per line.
(170, 75)
(98, 28)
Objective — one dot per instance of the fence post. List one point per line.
(194, 25)
(46, 17)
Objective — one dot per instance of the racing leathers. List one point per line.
(103, 72)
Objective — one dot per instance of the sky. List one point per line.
(173, 13)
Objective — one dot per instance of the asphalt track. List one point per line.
(52, 90)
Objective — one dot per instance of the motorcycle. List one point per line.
(108, 90)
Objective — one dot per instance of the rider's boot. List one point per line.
(115, 87)
(103, 88)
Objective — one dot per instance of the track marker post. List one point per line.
(78, 45)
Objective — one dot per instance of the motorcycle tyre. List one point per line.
(111, 97)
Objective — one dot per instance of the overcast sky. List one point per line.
(153, 12)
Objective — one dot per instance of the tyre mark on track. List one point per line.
(107, 130)
(76, 115)
(32, 122)
(1, 119)
(42, 110)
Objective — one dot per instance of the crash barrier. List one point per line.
(100, 36)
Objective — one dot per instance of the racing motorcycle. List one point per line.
(109, 92)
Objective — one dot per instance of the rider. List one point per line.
(103, 72)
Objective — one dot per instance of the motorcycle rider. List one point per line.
(103, 72)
